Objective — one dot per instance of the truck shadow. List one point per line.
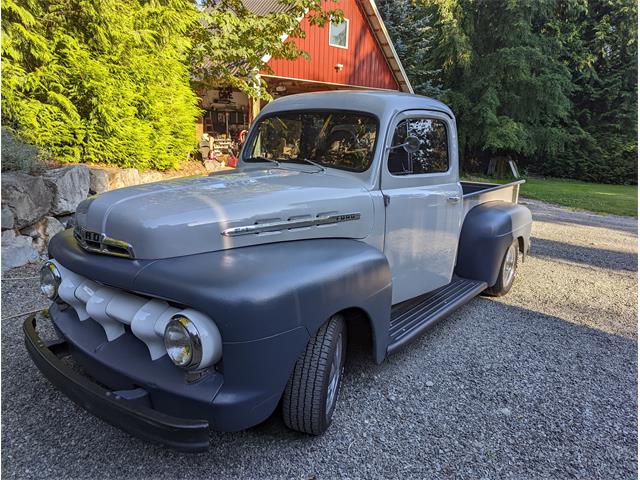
(561, 216)
(594, 256)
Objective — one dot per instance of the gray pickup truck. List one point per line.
(207, 302)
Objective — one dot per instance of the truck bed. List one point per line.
(475, 193)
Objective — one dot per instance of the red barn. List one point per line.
(354, 54)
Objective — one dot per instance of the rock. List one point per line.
(66, 220)
(37, 234)
(8, 220)
(104, 179)
(27, 197)
(17, 250)
(123, 178)
(130, 176)
(212, 165)
(42, 231)
(69, 185)
(150, 176)
(53, 227)
(36, 230)
(7, 237)
(505, 411)
(98, 180)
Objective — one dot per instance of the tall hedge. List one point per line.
(100, 80)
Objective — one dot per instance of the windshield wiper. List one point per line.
(260, 158)
(311, 162)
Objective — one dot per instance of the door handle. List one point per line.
(453, 199)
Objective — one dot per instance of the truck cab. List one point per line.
(207, 302)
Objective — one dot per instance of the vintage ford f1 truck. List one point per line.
(206, 302)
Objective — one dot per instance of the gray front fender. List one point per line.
(264, 297)
(260, 291)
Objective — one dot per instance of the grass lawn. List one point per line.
(597, 197)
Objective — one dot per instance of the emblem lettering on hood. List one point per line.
(100, 243)
(289, 224)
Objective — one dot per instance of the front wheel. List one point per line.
(310, 395)
(507, 272)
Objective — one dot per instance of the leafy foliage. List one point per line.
(550, 83)
(17, 155)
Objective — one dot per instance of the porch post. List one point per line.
(254, 102)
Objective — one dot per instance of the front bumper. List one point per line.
(113, 407)
(239, 393)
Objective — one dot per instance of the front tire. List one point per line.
(310, 396)
(507, 272)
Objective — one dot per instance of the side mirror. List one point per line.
(411, 144)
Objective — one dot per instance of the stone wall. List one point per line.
(35, 208)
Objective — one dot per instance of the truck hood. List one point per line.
(204, 214)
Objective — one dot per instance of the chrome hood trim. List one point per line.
(289, 224)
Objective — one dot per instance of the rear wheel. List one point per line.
(507, 272)
(310, 396)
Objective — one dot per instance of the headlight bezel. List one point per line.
(50, 268)
(193, 336)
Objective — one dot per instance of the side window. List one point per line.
(431, 157)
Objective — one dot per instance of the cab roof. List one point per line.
(380, 103)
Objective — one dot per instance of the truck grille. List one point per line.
(99, 243)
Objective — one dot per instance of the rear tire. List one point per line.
(310, 396)
(507, 272)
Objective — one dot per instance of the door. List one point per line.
(424, 203)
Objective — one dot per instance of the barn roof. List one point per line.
(264, 7)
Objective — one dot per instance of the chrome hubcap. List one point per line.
(334, 377)
(509, 265)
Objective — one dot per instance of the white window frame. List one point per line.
(346, 20)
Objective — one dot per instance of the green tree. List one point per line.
(600, 48)
(410, 26)
(502, 77)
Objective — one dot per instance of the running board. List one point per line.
(411, 318)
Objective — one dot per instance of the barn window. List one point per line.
(339, 34)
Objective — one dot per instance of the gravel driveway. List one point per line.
(539, 384)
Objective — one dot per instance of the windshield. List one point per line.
(335, 139)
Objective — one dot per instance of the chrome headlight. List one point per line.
(50, 280)
(183, 343)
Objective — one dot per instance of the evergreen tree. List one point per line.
(550, 83)
(600, 48)
(409, 25)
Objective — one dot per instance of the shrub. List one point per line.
(20, 156)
